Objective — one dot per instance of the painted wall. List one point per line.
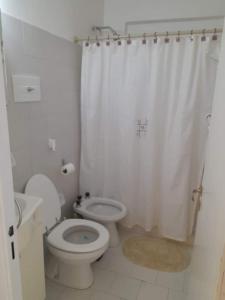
(10, 287)
(210, 235)
(118, 12)
(30, 50)
(67, 18)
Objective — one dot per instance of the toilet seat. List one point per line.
(98, 209)
(56, 238)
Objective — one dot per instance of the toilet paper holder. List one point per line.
(67, 168)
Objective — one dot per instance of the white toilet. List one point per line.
(103, 210)
(74, 243)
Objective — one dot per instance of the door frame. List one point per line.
(10, 280)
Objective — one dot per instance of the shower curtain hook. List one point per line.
(178, 37)
(97, 41)
(167, 40)
(129, 39)
(108, 41)
(155, 38)
(203, 38)
(87, 42)
(144, 39)
(214, 38)
(191, 37)
(119, 41)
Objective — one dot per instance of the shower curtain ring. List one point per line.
(129, 40)
(119, 41)
(214, 38)
(155, 38)
(167, 40)
(87, 42)
(97, 41)
(144, 39)
(178, 37)
(191, 33)
(203, 38)
(108, 41)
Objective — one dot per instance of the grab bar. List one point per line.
(19, 214)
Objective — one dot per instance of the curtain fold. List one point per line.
(144, 127)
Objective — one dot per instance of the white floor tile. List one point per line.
(53, 291)
(73, 294)
(125, 287)
(103, 280)
(120, 264)
(126, 233)
(144, 274)
(174, 281)
(191, 296)
(187, 278)
(152, 292)
(103, 296)
(115, 250)
(175, 295)
(103, 262)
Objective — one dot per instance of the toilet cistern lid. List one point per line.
(41, 186)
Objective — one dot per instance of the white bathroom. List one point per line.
(112, 160)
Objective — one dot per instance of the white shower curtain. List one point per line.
(144, 126)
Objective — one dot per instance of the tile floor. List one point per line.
(116, 278)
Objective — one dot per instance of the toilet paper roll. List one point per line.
(68, 169)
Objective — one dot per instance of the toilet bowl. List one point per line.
(76, 244)
(73, 244)
(103, 210)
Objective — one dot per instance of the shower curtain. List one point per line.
(144, 126)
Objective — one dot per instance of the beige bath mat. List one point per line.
(159, 254)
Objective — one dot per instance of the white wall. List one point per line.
(118, 12)
(65, 18)
(30, 50)
(9, 269)
(210, 235)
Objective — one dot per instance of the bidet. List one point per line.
(105, 211)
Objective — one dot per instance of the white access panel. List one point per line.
(26, 88)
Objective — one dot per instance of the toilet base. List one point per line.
(73, 276)
(113, 232)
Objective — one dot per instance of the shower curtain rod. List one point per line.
(147, 35)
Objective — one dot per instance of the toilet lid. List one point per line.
(41, 186)
(72, 236)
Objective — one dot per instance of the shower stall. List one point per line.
(145, 102)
